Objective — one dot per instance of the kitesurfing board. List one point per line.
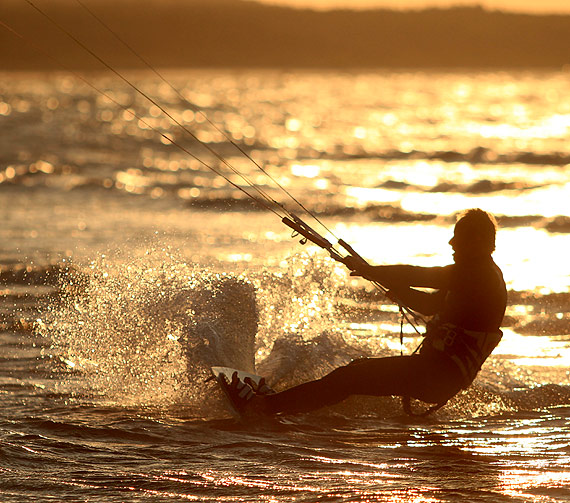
(223, 376)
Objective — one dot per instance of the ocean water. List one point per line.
(128, 267)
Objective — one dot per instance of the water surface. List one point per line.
(128, 267)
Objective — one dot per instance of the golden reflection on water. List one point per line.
(548, 202)
(535, 350)
(517, 483)
(417, 243)
(533, 259)
(429, 173)
(305, 170)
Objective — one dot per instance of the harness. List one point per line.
(468, 349)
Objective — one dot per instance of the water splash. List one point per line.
(146, 331)
(299, 336)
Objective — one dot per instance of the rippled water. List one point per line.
(127, 268)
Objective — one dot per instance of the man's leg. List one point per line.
(397, 375)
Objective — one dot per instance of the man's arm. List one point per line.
(399, 277)
(422, 302)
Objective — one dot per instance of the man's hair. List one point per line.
(477, 228)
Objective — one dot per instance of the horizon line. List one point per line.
(411, 9)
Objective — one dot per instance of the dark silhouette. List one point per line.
(467, 309)
(238, 33)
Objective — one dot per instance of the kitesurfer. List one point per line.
(466, 307)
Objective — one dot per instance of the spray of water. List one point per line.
(145, 331)
(299, 336)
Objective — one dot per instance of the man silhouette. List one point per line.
(466, 309)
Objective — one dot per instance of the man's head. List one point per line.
(474, 234)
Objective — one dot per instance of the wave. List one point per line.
(225, 202)
(32, 274)
(78, 173)
(560, 224)
(547, 395)
(553, 302)
(478, 155)
(395, 214)
(28, 287)
(377, 212)
(483, 187)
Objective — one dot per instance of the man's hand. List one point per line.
(355, 264)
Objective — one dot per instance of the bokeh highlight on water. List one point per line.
(128, 269)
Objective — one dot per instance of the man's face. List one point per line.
(459, 242)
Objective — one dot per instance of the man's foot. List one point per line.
(261, 388)
(247, 397)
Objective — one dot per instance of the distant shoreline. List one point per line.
(247, 35)
(133, 71)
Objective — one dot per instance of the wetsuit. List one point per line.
(468, 308)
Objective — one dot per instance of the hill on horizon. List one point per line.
(242, 33)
